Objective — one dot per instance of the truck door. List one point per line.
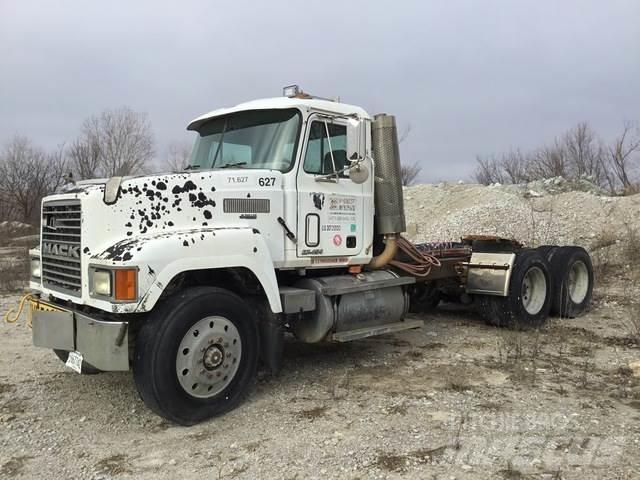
(330, 205)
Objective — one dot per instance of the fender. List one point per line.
(162, 256)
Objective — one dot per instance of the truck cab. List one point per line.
(271, 174)
(276, 204)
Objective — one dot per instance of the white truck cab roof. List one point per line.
(281, 103)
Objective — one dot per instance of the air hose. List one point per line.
(414, 262)
(8, 318)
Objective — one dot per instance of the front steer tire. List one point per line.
(168, 346)
(528, 302)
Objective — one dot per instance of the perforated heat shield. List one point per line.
(388, 179)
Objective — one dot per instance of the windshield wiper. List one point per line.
(219, 149)
(191, 167)
(229, 165)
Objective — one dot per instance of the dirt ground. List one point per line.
(454, 399)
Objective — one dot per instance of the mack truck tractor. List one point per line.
(287, 220)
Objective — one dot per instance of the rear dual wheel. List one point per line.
(548, 251)
(528, 302)
(572, 273)
(548, 280)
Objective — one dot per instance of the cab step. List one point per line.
(377, 330)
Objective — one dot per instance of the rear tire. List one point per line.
(424, 298)
(87, 368)
(548, 251)
(528, 302)
(572, 273)
(196, 356)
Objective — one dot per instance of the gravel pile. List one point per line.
(529, 213)
(555, 185)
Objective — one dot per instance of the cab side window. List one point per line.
(319, 148)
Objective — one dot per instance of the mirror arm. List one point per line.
(333, 177)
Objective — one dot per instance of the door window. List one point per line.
(324, 152)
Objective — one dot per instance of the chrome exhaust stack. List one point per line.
(389, 203)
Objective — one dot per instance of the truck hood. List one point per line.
(173, 202)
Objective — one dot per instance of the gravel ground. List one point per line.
(454, 399)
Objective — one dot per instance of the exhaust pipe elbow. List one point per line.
(390, 249)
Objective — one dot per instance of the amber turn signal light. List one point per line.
(126, 287)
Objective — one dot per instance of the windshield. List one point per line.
(251, 139)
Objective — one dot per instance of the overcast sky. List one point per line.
(470, 77)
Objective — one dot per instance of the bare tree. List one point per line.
(624, 152)
(116, 142)
(409, 173)
(488, 171)
(84, 157)
(514, 164)
(585, 153)
(27, 174)
(550, 161)
(578, 153)
(404, 133)
(178, 154)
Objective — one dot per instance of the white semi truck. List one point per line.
(287, 219)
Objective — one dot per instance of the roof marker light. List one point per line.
(291, 91)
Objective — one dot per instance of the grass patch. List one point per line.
(313, 413)
(14, 271)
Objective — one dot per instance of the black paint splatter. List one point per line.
(188, 186)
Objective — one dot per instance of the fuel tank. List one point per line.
(350, 302)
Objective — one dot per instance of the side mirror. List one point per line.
(358, 171)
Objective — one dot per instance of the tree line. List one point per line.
(578, 153)
(112, 143)
(120, 142)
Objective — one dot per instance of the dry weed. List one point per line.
(14, 272)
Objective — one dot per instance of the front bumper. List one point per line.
(103, 344)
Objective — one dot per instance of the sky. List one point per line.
(468, 77)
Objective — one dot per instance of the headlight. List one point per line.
(102, 282)
(35, 267)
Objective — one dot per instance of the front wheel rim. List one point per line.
(208, 357)
(534, 290)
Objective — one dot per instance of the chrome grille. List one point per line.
(246, 205)
(60, 246)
